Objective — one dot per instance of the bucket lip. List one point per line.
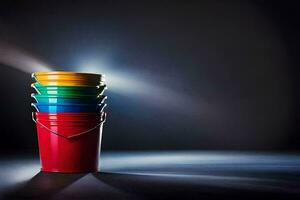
(69, 114)
(71, 121)
(64, 125)
(68, 104)
(69, 83)
(41, 73)
(60, 87)
(72, 124)
(44, 116)
(71, 107)
(72, 79)
(69, 118)
(94, 97)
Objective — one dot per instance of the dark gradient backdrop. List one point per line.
(230, 69)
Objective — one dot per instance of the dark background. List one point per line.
(235, 63)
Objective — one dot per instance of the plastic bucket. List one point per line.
(69, 147)
(69, 90)
(72, 117)
(55, 99)
(68, 78)
(68, 107)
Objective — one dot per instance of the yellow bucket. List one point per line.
(68, 78)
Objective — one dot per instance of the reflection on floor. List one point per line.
(159, 175)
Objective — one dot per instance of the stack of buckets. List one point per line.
(69, 117)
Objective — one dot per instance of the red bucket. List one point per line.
(69, 145)
(65, 116)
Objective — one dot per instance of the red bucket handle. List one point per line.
(68, 137)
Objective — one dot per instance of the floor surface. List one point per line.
(159, 175)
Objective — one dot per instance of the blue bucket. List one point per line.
(56, 99)
(43, 107)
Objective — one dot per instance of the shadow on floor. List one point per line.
(173, 187)
(43, 186)
(106, 185)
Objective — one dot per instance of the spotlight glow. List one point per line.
(151, 92)
(20, 59)
(16, 172)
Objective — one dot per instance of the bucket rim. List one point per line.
(66, 79)
(65, 123)
(72, 120)
(68, 104)
(62, 87)
(69, 113)
(69, 116)
(48, 107)
(99, 97)
(74, 134)
(43, 73)
(69, 83)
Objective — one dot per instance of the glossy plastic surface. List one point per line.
(64, 153)
(67, 73)
(69, 83)
(68, 78)
(68, 107)
(69, 90)
(70, 117)
(55, 99)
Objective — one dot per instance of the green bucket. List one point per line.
(69, 90)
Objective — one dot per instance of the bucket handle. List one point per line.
(34, 77)
(68, 137)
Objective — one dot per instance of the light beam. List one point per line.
(20, 59)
